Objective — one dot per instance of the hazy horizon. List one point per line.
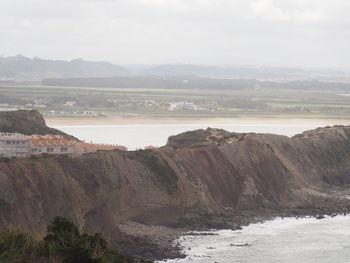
(284, 33)
(140, 66)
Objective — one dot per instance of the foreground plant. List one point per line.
(63, 243)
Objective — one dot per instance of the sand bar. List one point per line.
(207, 121)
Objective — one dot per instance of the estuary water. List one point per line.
(288, 240)
(138, 136)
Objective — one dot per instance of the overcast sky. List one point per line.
(303, 33)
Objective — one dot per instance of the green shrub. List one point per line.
(63, 243)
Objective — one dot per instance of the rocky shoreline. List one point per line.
(165, 240)
(213, 232)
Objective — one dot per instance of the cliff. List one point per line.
(28, 123)
(214, 179)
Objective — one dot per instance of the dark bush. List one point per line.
(63, 243)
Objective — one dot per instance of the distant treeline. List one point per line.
(153, 82)
(307, 85)
(190, 83)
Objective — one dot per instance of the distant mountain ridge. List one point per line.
(242, 72)
(24, 68)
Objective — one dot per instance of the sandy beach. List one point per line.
(207, 121)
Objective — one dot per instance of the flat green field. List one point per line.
(209, 102)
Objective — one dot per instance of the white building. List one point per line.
(19, 145)
(182, 105)
(70, 103)
(14, 145)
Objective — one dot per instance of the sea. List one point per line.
(288, 240)
(138, 136)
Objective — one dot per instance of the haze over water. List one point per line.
(138, 136)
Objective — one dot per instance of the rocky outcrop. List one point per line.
(27, 123)
(215, 181)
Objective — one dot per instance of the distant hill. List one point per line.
(243, 72)
(36, 69)
(28, 123)
(23, 68)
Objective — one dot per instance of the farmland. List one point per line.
(221, 98)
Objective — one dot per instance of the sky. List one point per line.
(288, 33)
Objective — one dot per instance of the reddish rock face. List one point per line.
(176, 185)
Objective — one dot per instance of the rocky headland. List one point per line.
(142, 200)
(27, 122)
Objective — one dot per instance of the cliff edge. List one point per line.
(27, 123)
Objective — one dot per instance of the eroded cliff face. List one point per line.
(208, 182)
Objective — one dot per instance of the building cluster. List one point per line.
(184, 105)
(19, 145)
(7, 107)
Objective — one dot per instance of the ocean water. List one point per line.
(288, 240)
(138, 136)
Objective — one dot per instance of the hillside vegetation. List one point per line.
(154, 96)
(27, 123)
(63, 243)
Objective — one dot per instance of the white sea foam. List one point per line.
(282, 240)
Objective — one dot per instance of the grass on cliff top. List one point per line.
(62, 244)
